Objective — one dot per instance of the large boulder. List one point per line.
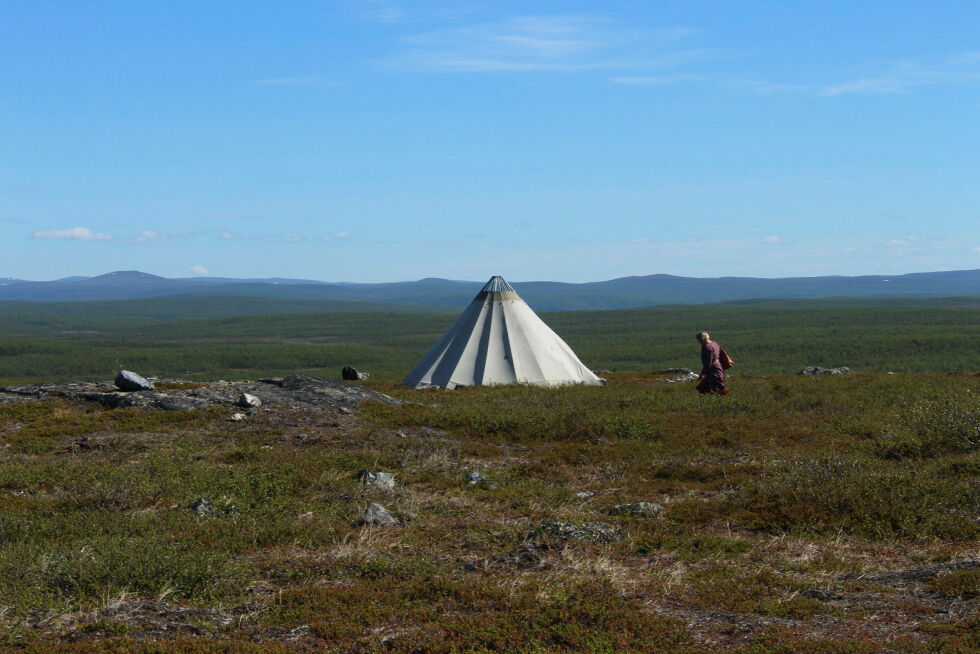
(128, 380)
(348, 373)
(248, 401)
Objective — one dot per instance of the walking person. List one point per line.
(712, 371)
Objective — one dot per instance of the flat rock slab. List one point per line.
(298, 391)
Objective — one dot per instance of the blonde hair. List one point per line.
(703, 337)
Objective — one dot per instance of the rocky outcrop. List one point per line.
(296, 391)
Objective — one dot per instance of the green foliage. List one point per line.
(964, 584)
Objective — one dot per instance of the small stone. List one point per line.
(639, 508)
(401, 434)
(592, 532)
(248, 401)
(345, 410)
(378, 516)
(474, 477)
(127, 380)
(584, 495)
(301, 437)
(237, 417)
(817, 370)
(384, 480)
(201, 506)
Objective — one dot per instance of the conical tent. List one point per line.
(499, 340)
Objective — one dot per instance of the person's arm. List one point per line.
(705, 359)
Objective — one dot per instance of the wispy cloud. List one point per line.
(961, 69)
(656, 80)
(383, 11)
(331, 237)
(535, 43)
(72, 233)
(199, 270)
(306, 80)
(771, 239)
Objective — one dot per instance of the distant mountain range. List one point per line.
(619, 293)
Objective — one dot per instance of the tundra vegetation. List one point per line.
(797, 514)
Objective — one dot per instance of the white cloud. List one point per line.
(341, 234)
(902, 242)
(330, 237)
(72, 233)
(200, 270)
(149, 235)
(771, 239)
(642, 239)
(228, 236)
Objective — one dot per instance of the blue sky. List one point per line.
(571, 141)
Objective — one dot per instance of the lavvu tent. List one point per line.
(499, 340)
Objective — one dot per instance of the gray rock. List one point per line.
(248, 401)
(591, 532)
(127, 380)
(201, 506)
(676, 371)
(584, 495)
(639, 508)
(378, 516)
(384, 480)
(237, 417)
(474, 477)
(817, 370)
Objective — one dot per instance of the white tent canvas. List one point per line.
(499, 340)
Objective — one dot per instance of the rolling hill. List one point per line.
(619, 293)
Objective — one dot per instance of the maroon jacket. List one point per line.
(714, 374)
